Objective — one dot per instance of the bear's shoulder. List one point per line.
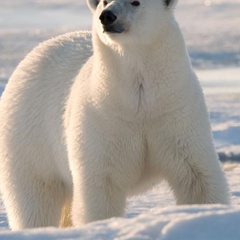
(64, 49)
(78, 42)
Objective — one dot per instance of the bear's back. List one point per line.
(35, 97)
(48, 70)
(52, 61)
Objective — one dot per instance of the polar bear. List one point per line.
(88, 119)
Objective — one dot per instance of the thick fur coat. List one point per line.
(90, 119)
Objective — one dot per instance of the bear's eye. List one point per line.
(135, 3)
(105, 3)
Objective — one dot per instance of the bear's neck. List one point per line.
(166, 54)
(141, 77)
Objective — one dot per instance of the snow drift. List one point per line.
(195, 222)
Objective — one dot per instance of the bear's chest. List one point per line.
(132, 95)
(144, 100)
(141, 97)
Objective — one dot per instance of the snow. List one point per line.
(195, 222)
(210, 28)
(222, 90)
(154, 216)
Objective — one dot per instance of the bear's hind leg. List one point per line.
(34, 203)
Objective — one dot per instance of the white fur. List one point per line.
(133, 115)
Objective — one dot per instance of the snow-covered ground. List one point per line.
(222, 90)
(186, 223)
(211, 30)
(155, 216)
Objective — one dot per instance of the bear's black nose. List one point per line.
(107, 18)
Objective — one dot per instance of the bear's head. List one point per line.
(131, 21)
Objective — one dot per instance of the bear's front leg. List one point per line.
(185, 156)
(195, 175)
(98, 193)
(105, 161)
(98, 197)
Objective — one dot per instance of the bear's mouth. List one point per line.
(112, 29)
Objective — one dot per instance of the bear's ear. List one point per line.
(92, 4)
(170, 3)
